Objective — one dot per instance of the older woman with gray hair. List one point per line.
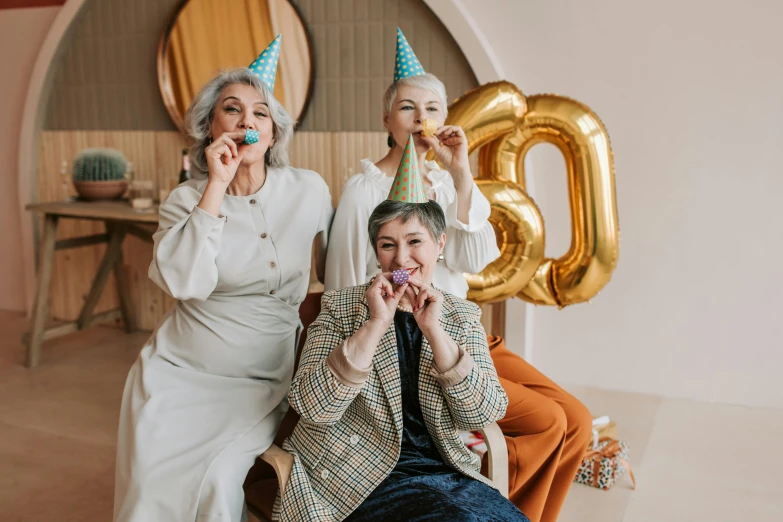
(208, 391)
(391, 370)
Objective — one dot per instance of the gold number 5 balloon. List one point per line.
(522, 270)
(486, 113)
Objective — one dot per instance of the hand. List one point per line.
(224, 156)
(450, 146)
(382, 299)
(427, 305)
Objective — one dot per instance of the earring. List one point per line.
(390, 141)
(378, 264)
(440, 257)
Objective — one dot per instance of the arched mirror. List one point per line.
(206, 36)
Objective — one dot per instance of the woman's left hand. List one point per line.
(427, 305)
(451, 148)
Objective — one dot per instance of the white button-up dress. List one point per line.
(208, 391)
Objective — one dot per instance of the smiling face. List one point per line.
(408, 246)
(241, 107)
(411, 105)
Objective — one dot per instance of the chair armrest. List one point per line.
(497, 457)
(282, 462)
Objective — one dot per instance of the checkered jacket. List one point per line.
(348, 439)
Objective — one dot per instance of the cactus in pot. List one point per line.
(100, 174)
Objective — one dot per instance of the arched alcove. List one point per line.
(74, 31)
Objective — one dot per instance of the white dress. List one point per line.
(351, 259)
(208, 391)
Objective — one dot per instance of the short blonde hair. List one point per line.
(198, 119)
(425, 81)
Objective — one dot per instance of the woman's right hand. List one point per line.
(224, 156)
(382, 299)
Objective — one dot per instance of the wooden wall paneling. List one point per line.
(73, 269)
(168, 158)
(150, 302)
(350, 148)
(498, 323)
(486, 318)
(86, 86)
(335, 156)
(314, 151)
(156, 155)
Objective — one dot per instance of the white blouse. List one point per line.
(351, 260)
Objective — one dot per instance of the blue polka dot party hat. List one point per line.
(407, 185)
(265, 66)
(406, 64)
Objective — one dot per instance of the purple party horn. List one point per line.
(400, 277)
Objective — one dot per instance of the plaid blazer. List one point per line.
(348, 439)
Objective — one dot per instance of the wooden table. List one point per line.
(120, 219)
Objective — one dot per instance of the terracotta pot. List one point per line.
(97, 190)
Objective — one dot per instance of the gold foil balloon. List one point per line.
(540, 290)
(582, 139)
(498, 118)
(486, 114)
(520, 233)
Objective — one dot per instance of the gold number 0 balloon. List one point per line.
(486, 114)
(582, 139)
(522, 270)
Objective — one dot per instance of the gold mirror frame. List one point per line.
(164, 81)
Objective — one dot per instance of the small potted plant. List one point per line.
(100, 174)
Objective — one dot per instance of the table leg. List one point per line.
(124, 295)
(113, 253)
(41, 306)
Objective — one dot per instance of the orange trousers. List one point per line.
(547, 432)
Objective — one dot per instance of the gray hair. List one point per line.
(201, 111)
(427, 81)
(430, 215)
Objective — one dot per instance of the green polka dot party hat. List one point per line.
(406, 64)
(265, 66)
(407, 185)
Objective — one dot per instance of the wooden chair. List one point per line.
(273, 467)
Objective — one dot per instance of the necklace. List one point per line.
(404, 309)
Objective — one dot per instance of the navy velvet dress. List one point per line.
(422, 486)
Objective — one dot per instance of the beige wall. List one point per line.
(21, 33)
(692, 95)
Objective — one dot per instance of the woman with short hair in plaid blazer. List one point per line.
(390, 372)
(546, 428)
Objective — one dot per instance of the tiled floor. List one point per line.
(693, 461)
